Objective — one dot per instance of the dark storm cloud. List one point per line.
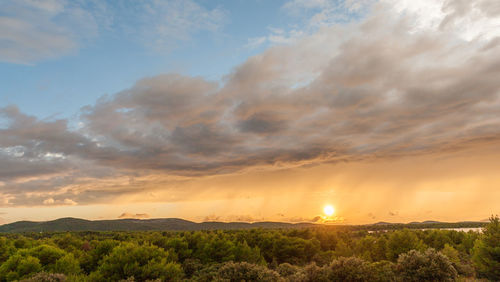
(261, 123)
(374, 90)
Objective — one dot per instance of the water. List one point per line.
(461, 229)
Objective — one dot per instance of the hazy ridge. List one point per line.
(177, 224)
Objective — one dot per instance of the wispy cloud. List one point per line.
(164, 25)
(61, 202)
(35, 30)
(134, 216)
(322, 13)
(32, 31)
(312, 16)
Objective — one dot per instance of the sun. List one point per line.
(329, 210)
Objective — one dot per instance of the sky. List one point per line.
(250, 110)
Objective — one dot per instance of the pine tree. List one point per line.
(486, 252)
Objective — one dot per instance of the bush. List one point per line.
(427, 266)
(383, 271)
(243, 271)
(235, 271)
(191, 266)
(207, 273)
(47, 277)
(312, 273)
(286, 269)
(351, 269)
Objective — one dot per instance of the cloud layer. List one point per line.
(381, 88)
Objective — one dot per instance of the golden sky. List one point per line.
(453, 186)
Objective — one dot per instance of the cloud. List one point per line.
(32, 31)
(59, 202)
(255, 42)
(298, 219)
(312, 15)
(376, 89)
(232, 218)
(134, 216)
(212, 217)
(469, 20)
(321, 13)
(393, 213)
(165, 23)
(48, 201)
(382, 92)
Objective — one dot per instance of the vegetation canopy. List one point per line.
(323, 253)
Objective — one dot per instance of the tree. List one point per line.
(243, 252)
(48, 255)
(142, 262)
(217, 250)
(428, 266)
(372, 248)
(90, 260)
(436, 238)
(342, 249)
(67, 265)
(294, 250)
(402, 241)
(486, 252)
(19, 266)
(451, 253)
(463, 268)
(179, 245)
(6, 249)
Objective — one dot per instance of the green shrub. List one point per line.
(351, 269)
(428, 266)
(47, 277)
(243, 271)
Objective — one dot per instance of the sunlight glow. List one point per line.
(329, 210)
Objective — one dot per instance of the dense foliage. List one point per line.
(308, 254)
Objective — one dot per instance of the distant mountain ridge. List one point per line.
(159, 224)
(177, 224)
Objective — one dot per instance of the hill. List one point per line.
(167, 224)
(177, 224)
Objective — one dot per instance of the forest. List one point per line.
(323, 253)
